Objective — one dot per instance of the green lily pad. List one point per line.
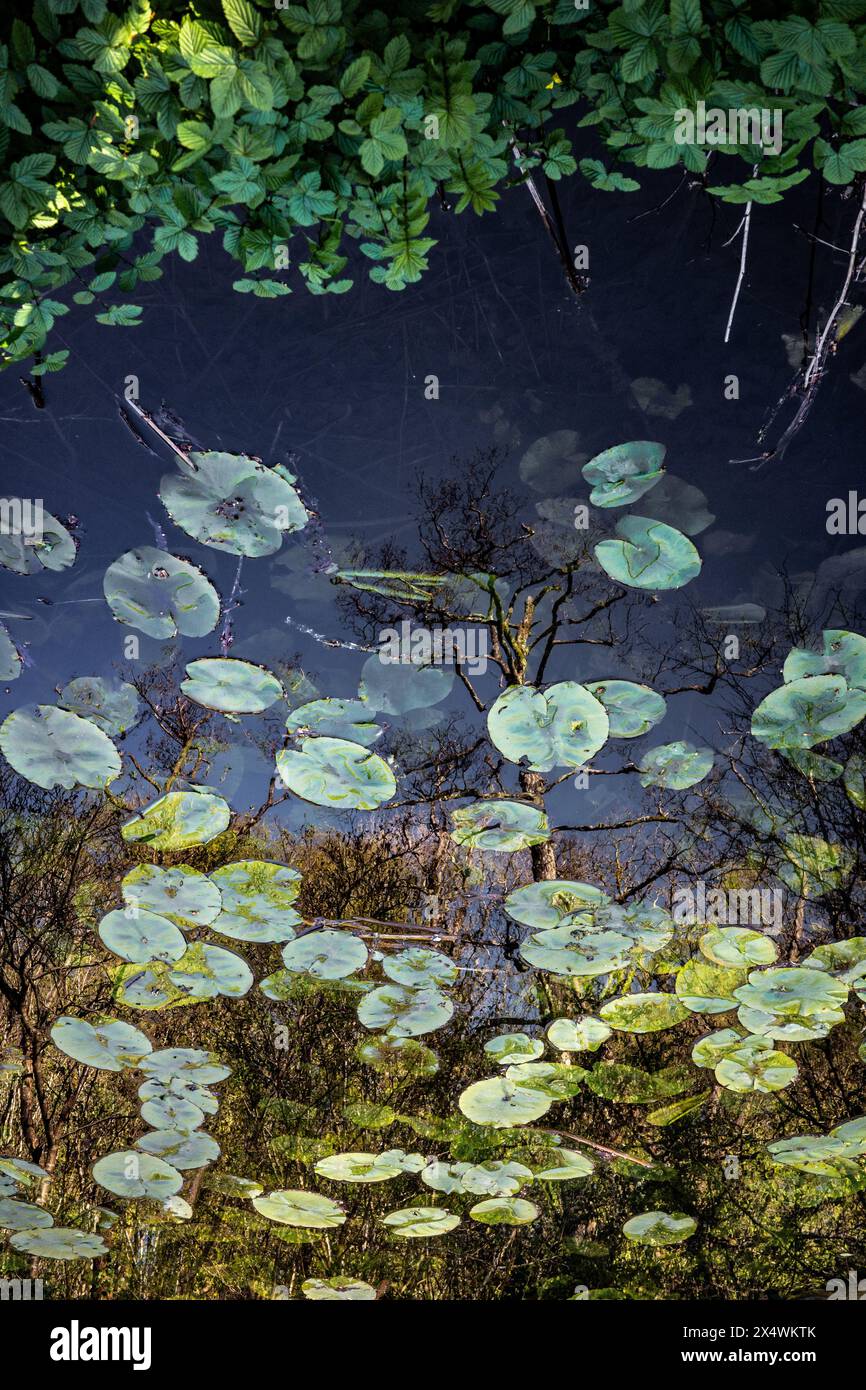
(578, 1034)
(133, 1174)
(112, 705)
(562, 726)
(746, 1069)
(780, 1028)
(818, 1154)
(179, 1148)
(292, 1207)
(420, 966)
(339, 1289)
(675, 765)
(335, 772)
(844, 959)
(362, 1167)
(643, 1013)
(178, 820)
(660, 1228)
(624, 473)
(708, 989)
(794, 992)
(514, 1047)
(49, 548)
(569, 1165)
(172, 1113)
(231, 686)
(141, 936)
(554, 1079)
(739, 947)
(503, 1104)
(181, 894)
(345, 719)
(205, 971)
(233, 502)
(398, 1057)
(403, 1011)
(59, 1243)
(186, 1064)
(648, 555)
(814, 867)
(420, 1222)
(596, 953)
(854, 777)
(843, 653)
(16, 1215)
(106, 1043)
(160, 595)
(504, 1211)
(55, 748)
(257, 898)
(326, 955)
(394, 688)
(808, 711)
(547, 903)
(713, 1047)
(498, 1178)
(632, 709)
(174, 1089)
(505, 826)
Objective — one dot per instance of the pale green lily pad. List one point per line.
(505, 826)
(257, 898)
(420, 1222)
(106, 1043)
(818, 1154)
(11, 663)
(746, 1070)
(793, 991)
(55, 748)
(644, 1013)
(231, 686)
(622, 474)
(498, 1178)
(632, 709)
(394, 688)
(205, 971)
(843, 653)
(660, 1228)
(648, 555)
(186, 1064)
(547, 903)
(181, 894)
(334, 772)
(180, 1148)
(339, 1289)
(578, 1034)
(50, 546)
(178, 820)
(514, 1047)
(59, 1243)
(293, 1207)
(504, 1211)
(808, 711)
(844, 959)
(713, 1047)
(112, 705)
(346, 719)
(570, 1164)
(596, 953)
(141, 936)
(172, 1112)
(739, 947)
(445, 1177)
(144, 986)
(133, 1174)
(676, 766)
(174, 1089)
(403, 1011)
(233, 502)
(708, 989)
(16, 1215)
(562, 726)
(21, 1170)
(326, 955)
(161, 595)
(503, 1104)
(363, 1167)
(554, 1079)
(780, 1028)
(419, 966)
(853, 1132)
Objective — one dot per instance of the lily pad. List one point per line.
(624, 473)
(326, 955)
(403, 1011)
(648, 555)
(335, 772)
(106, 1043)
(708, 989)
(346, 719)
(173, 1113)
(676, 766)
(59, 1243)
(112, 705)
(659, 1228)
(569, 1165)
(292, 1207)
(231, 686)
(257, 898)
(16, 1215)
(643, 1013)
(505, 826)
(161, 595)
(514, 1047)
(504, 1211)
(181, 894)
(186, 1064)
(502, 1104)
(808, 711)
(55, 748)
(843, 653)
(739, 947)
(178, 820)
(11, 663)
(578, 1035)
(339, 1289)
(180, 1148)
(233, 502)
(547, 903)
(419, 966)
(395, 688)
(632, 709)
(205, 971)
(747, 1069)
(141, 936)
(420, 1222)
(562, 726)
(48, 547)
(133, 1174)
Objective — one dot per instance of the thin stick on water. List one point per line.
(745, 224)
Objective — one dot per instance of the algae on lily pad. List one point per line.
(643, 1013)
(257, 900)
(183, 895)
(514, 1047)
(178, 820)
